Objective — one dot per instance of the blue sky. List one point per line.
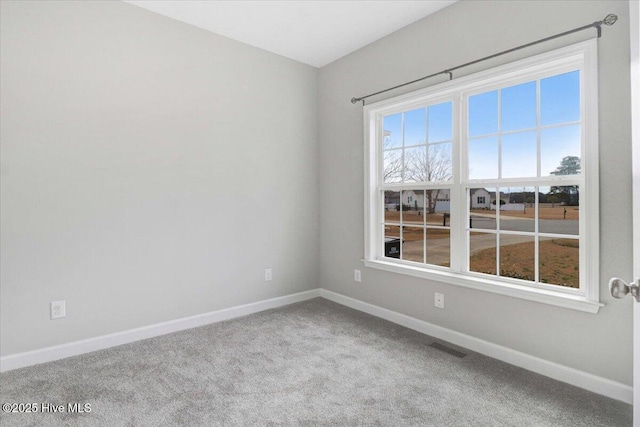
(517, 109)
(415, 125)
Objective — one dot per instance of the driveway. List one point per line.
(438, 250)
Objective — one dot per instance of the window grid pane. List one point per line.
(531, 236)
(525, 131)
(416, 225)
(417, 145)
(527, 134)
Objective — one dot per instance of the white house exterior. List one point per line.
(481, 199)
(416, 199)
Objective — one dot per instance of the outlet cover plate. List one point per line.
(439, 300)
(58, 309)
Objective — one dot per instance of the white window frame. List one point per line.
(581, 56)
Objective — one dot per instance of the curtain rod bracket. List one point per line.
(450, 74)
(608, 20)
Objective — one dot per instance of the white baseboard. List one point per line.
(603, 386)
(75, 348)
(594, 383)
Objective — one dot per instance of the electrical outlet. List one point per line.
(268, 275)
(439, 300)
(357, 275)
(58, 309)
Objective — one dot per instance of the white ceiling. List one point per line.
(313, 32)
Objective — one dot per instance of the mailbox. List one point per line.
(392, 247)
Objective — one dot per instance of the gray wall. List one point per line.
(150, 171)
(463, 32)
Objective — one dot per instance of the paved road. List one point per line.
(555, 226)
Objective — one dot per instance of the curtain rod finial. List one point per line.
(354, 100)
(610, 19)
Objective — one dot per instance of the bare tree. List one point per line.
(434, 165)
(392, 160)
(430, 163)
(392, 166)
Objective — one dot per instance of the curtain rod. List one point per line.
(610, 19)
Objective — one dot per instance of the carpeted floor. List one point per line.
(311, 363)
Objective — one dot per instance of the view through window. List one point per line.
(488, 179)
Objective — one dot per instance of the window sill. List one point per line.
(559, 299)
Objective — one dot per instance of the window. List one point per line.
(491, 181)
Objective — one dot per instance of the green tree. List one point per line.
(568, 194)
(569, 165)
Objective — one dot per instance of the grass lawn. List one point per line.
(559, 261)
(546, 211)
